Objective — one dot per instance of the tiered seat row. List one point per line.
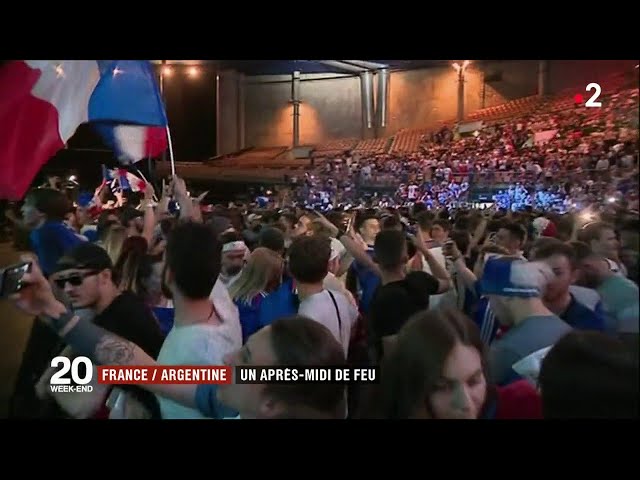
(372, 146)
(520, 106)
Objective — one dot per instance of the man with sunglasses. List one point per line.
(85, 275)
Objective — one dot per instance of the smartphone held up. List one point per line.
(11, 278)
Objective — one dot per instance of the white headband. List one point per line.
(234, 246)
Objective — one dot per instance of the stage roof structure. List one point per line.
(286, 67)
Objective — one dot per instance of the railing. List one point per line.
(484, 177)
(392, 180)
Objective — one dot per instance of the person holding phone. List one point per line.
(43, 213)
(107, 348)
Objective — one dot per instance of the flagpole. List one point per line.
(173, 162)
(155, 199)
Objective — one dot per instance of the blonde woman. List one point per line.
(113, 240)
(261, 275)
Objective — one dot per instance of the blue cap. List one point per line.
(509, 278)
(84, 199)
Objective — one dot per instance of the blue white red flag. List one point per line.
(42, 103)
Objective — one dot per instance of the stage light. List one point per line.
(167, 71)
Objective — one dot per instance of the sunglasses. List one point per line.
(75, 280)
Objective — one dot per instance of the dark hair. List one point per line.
(389, 249)
(443, 223)
(301, 341)
(630, 224)
(540, 242)
(129, 214)
(104, 223)
(336, 218)
(52, 203)
(419, 208)
(463, 222)
(309, 258)
(516, 231)
(133, 268)
(590, 375)
(411, 369)
(443, 214)
(167, 225)
(556, 247)
(425, 220)
(103, 228)
(494, 225)
(218, 223)
(593, 231)
(231, 236)
(582, 251)
(391, 222)
(271, 238)
(279, 226)
(363, 219)
(564, 227)
(193, 255)
(290, 218)
(462, 239)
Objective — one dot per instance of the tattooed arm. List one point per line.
(105, 348)
(86, 338)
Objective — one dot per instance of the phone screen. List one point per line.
(12, 279)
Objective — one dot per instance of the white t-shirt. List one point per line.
(199, 344)
(331, 282)
(320, 307)
(227, 310)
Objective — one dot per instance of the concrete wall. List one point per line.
(228, 129)
(420, 98)
(330, 109)
(517, 79)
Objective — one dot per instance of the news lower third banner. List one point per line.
(306, 375)
(222, 375)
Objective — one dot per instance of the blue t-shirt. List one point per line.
(207, 402)
(283, 302)
(165, 317)
(582, 318)
(91, 234)
(249, 313)
(368, 282)
(484, 318)
(486, 321)
(50, 242)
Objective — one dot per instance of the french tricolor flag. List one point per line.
(124, 179)
(42, 103)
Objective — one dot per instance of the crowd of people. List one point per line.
(525, 309)
(562, 160)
